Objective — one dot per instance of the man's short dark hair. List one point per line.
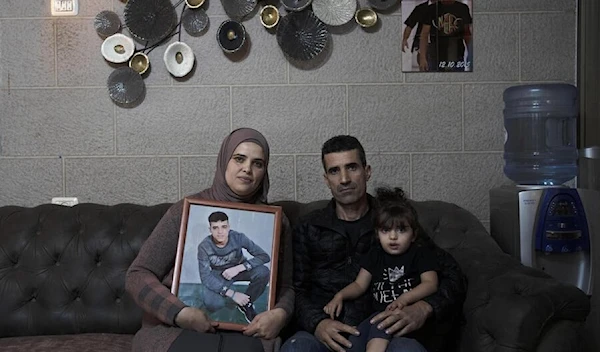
(343, 143)
(217, 216)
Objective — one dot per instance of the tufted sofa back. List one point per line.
(62, 269)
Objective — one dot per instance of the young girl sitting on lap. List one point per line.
(397, 271)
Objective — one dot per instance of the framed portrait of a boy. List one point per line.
(226, 262)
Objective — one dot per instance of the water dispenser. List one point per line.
(539, 220)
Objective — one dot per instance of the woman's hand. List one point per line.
(194, 319)
(334, 307)
(267, 325)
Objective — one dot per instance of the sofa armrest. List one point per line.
(512, 306)
(563, 335)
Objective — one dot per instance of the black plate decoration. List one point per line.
(125, 86)
(150, 20)
(295, 5)
(382, 4)
(238, 8)
(301, 35)
(231, 36)
(107, 23)
(194, 21)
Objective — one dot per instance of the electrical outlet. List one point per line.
(66, 201)
(64, 7)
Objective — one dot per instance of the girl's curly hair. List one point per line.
(393, 210)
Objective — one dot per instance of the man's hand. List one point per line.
(328, 332)
(267, 325)
(194, 319)
(334, 307)
(232, 272)
(400, 322)
(240, 298)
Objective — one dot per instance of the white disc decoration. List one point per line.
(117, 48)
(179, 59)
(334, 12)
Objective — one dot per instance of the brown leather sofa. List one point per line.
(62, 280)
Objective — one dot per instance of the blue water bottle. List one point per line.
(540, 123)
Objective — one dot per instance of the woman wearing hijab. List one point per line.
(170, 325)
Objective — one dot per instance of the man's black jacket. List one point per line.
(325, 262)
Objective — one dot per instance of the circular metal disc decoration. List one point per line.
(301, 35)
(269, 16)
(366, 17)
(334, 12)
(382, 4)
(179, 59)
(238, 8)
(117, 48)
(295, 5)
(194, 21)
(194, 4)
(107, 23)
(150, 20)
(125, 86)
(231, 36)
(139, 62)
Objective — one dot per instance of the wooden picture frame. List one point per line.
(209, 253)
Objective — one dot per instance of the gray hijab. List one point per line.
(220, 190)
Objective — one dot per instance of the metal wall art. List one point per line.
(301, 35)
(365, 17)
(107, 23)
(195, 22)
(295, 5)
(179, 59)
(269, 16)
(334, 12)
(301, 27)
(231, 36)
(117, 48)
(125, 86)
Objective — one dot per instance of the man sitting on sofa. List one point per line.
(328, 244)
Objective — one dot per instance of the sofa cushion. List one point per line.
(68, 343)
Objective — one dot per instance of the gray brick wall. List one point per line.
(437, 135)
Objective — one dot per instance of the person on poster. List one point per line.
(417, 18)
(221, 263)
(397, 271)
(448, 28)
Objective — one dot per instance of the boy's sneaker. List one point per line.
(248, 311)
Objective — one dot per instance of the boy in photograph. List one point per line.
(418, 16)
(221, 263)
(448, 28)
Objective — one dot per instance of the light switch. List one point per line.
(64, 7)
